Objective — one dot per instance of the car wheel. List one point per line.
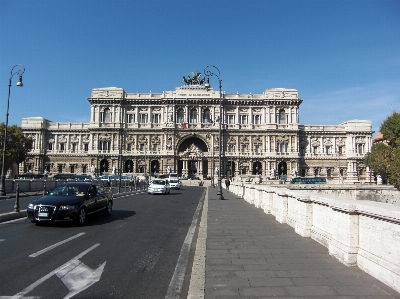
(108, 208)
(81, 219)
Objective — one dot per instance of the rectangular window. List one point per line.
(327, 149)
(243, 119)
(143, 118)
(340, 150)
(155, 147)
(231, 119)
(360, 148)
(141, 147)
(315, 150)
(86, 147)
(73, 147)
(257, 119)
(244, 148)
(50, 146)
(256, 148)
(156, 118)
(230, 148)
(62, 146)
(129, 147)
(130, 118)
(302, 151)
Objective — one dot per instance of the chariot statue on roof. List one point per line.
(195, 80)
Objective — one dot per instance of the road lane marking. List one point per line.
(71, 271)
(175, 286)
(55, 245)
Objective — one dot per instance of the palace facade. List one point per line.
(146, 133)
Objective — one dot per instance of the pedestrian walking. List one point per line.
(227, 183)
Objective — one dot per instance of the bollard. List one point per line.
(44, 188)
(16, 206)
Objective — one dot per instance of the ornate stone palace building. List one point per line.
(140, 133)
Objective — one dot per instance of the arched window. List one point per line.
(206, 116)
(193, 116)
(179, 118)
(106, 116)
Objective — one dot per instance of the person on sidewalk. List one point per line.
(227, 183)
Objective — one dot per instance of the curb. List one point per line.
(12, 216)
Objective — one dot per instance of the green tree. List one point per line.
(384, 158)
(17, 145)
(379, 159)
(391, 130)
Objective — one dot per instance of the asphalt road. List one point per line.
(133, 253)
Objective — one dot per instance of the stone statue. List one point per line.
(113, 170)
(272, 173)
(168, 170)
(216, 170)
(92, 169)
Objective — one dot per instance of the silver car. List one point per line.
(159, 186)
(175, 184)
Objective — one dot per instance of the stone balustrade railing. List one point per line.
(358, 233)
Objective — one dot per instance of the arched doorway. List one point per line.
(128, 166)
(257, 168)
(230, 169)
(155, 167)
(282, 168)
(191, 158)
(103, 166)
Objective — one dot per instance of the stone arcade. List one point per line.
(147, 133)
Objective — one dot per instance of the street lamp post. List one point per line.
(208, 73)
(20, 71)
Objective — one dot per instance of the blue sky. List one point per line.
(342, 56)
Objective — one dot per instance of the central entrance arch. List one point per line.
(192, 155)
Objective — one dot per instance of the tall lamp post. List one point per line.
(208, 73)
(20, 71)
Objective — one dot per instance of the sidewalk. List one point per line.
(251, 255)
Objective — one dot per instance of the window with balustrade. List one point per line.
(106, 116)
(206, 116)
(193, 116)
(180, 116)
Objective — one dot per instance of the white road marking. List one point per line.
(55, 245)
(71, 273)
(175, 286)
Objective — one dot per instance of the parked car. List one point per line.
(159, 186)
(71, 201)
(175, 184)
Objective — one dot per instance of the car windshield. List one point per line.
(69, 190)
(174, 181)
(158, 182)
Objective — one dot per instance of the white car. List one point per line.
(159, 186)
(175, 184)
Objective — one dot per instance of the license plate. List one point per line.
(43, 214)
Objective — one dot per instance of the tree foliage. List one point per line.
(391, 130)
(17, 145)
(384, 158)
